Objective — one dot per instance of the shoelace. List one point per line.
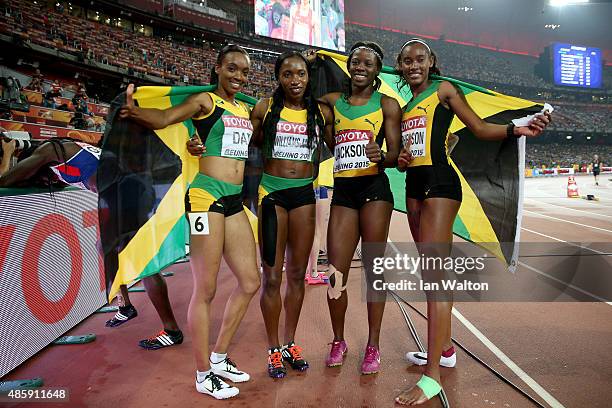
(276, 359)
(161, 333)
(335, 347)
(230, 363)
(370, 354)
(216, 381)
(296, 352)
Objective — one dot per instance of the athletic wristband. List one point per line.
(510, 131)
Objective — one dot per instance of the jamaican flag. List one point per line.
(491, 172)
(142, 179)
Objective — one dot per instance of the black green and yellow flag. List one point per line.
(143, 176)
(491, 173)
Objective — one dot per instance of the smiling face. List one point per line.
(414, 64)
(293, 77)
(363, 68)
(233, 72)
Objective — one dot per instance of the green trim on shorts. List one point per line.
(274, 183)
(216, 188)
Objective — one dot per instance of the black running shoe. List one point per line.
(292, 354)
(124, 314)
(276, 368)
(161, 340)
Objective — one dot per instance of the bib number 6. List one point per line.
(198, 223)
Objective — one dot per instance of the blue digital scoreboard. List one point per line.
(577, 66)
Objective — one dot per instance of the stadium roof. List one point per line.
(517, 25)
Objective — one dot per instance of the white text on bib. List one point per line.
(350, 150)
(291, 142)
(236, 138)
(414, 131)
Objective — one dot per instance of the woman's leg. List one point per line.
(413, 211)
(206, 251)
(240, 254)
(158, 293)
(374, 219)
(299, 244)
(270, 301)
(342, 238)
(436, 235)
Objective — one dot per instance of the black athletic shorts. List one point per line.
(291, 198)
(424, 182)
(355, 192)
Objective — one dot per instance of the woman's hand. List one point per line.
(195, 146)
(373, 151)
(128, 110)
(310, 55)
(404, 159)
(536, 125)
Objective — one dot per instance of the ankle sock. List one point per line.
(216, 358)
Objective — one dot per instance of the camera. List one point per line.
(22, 139)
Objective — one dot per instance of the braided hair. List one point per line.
(377, 50)
(314, 120)
(214, 77)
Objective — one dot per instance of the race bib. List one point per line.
(198, 223)
(236, 138)
(414, 132)
(291, 142)
(350, 150)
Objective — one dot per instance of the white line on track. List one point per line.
(570, 222)
(537, 388)
(561, 240)
(576, 288)
(570, 208)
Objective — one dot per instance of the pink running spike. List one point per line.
(371, 361)
(336, 354)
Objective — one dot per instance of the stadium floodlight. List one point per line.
(568, 137)
(561, 3)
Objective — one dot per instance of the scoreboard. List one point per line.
(577, 66)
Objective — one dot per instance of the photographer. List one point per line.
(78, 121)
(57, 162)
(52, 97)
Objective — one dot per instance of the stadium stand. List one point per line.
(153, 54)
(565, 155)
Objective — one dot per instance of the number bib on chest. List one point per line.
(414, 131)
(236, 137)
(350, 150)
(291, 142)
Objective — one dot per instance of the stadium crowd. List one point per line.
(565, 155)
(120, 47)
(145, 54)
